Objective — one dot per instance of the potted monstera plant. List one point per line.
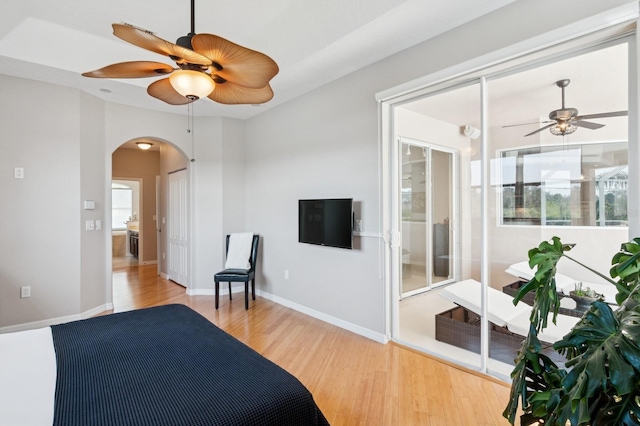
(600, 382)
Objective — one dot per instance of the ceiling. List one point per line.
(599, 83)
(313, 42)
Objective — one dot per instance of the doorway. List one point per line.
(151, 168)
(428, 211)
(125, 222)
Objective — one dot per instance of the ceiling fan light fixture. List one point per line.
(563, 128)
(144, 145)
(192, 84)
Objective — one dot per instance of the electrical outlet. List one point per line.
(25, 291)
(18, 173)
(98, 225)
(286, 274)
(89, 225)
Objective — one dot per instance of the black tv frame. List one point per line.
(330, 231)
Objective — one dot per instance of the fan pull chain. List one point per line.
(190, 130)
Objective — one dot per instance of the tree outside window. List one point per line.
(565, 185)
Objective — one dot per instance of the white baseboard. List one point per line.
(98, 310)
(365, 332)
(212, 291)
(59, 320)
(354, 328)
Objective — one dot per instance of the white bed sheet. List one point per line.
(27, 378)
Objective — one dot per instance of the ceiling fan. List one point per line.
(565, 121)
(207, 65)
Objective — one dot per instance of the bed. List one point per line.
(159, 366)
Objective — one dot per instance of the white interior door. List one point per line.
(178, 230)
(157, 225)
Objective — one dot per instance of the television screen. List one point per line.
(326, 222)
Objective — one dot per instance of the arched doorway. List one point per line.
(147, 230)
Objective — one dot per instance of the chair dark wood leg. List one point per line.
(246, 295)
(217, 293)
(253, 289)
(230, 298)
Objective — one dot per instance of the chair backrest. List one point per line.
(254, 250)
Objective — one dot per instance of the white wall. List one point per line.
(64, 139)
(206, 176)
(315, 147)
(40, 218)
(92, 168)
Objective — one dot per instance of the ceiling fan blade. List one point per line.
(526, 124)
(155, 44)
(241, 66)
(163, 90)
(603, 115)
(233, 94)
(540, 129)
(587, 124)
(134, 69)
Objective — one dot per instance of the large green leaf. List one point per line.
(544, 259)
(534, 375)
(602, 386)
(609, 358)
(626, 267)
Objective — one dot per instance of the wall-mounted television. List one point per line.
(326, 222)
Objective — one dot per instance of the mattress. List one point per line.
(27, 378)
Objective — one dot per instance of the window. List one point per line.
(565, 185)
(121, 206)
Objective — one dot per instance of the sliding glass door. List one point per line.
(428, 212)
(522, 178)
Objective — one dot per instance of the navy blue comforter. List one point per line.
(169, 366)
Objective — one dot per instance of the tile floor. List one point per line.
(417, 330)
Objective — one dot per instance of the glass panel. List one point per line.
(442, 207)
(442, 212)
(545, 184)
(414, 217)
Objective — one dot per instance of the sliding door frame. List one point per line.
(577, 40)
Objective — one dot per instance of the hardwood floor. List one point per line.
(354, 380)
